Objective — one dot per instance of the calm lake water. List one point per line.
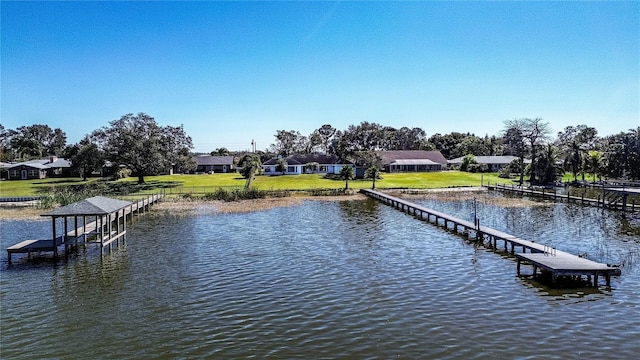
(349, 280)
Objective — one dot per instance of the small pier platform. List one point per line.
(103, 221)
(540, 256)
(565, 264)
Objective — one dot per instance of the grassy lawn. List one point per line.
(35, 187)
(208, 183)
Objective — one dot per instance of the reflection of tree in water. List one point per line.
(361, 211)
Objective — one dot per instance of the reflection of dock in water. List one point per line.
(102, 221)
(541, 257)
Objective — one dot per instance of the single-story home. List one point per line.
(306, 164)
(214, 164)
(494, 163)
(412, 160)
(39, 169)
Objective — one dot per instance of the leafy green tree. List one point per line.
(448, 143)
(282, 165)
(250, 165)
(222, 151)
(26, 148)
(286, 142)
(312, 166)
(346, 173)
(146, 148)
(513, 139)
(467, 161)
(322, 137)
(85, 157)
(621, 153)
(50, 141)
(576, 142)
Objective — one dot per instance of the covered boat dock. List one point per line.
(100, 220)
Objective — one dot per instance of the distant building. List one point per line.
(214, 164)
(306, 164)
(412, 160)
(39, 169)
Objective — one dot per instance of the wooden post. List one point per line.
(64, 237)
(101, 232)
(118, 226)
(55, 244)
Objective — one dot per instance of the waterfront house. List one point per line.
(209, 164)
(306, 164)
(39, 169)
(412, 160)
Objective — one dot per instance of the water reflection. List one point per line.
(321, 280)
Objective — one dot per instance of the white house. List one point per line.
(306, 164)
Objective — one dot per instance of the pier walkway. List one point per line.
(540, 256)
(612, 197)
(102, 221)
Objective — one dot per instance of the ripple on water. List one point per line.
(324, 279)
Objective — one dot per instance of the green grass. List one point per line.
(208, 183)
(35, 187)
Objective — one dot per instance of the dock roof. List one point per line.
(97, 205)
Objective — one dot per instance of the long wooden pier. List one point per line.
(540, 256)
(107, 226)
(612, 197)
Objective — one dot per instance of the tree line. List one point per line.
(136, 143)
(576, 149)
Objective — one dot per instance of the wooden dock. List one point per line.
(540, 256)
(99, 226)
(612, 198)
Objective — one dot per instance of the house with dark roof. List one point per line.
(306, 164)
(214, 164)
(494, 163)
(412, 160)
(39, 169)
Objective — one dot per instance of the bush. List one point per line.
(237, 194)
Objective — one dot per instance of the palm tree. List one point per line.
(251, 165)
(346, 174)
(594, 162)
(574, 157)
(546, 168)
(373, 173)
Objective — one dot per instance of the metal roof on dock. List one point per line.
(97, 205)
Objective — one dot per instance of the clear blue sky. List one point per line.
(236, 71)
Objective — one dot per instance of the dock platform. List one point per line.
(565, 264)
(108, 225)
(541, 256)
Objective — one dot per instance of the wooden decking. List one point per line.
(612, 198)
(99, 231)
(565, 264)
(540, 256)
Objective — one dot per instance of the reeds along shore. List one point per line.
(199, 206)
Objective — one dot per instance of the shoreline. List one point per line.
(187, 207)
